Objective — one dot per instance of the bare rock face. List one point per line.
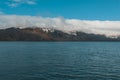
(39, 34)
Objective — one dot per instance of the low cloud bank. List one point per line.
(97, 27)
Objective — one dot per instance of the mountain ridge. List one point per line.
(42, 34)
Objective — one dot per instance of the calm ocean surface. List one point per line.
(59, 60)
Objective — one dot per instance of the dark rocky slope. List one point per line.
(37, 34)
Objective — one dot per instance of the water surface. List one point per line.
(59, 61)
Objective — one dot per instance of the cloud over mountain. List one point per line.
(89, 26)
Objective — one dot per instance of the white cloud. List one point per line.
(31, 2)
(17, 0)
(97, 27)
(15, 3)
(12, 4)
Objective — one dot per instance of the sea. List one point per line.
(59, 60)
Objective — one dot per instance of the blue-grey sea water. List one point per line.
(59, 60)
